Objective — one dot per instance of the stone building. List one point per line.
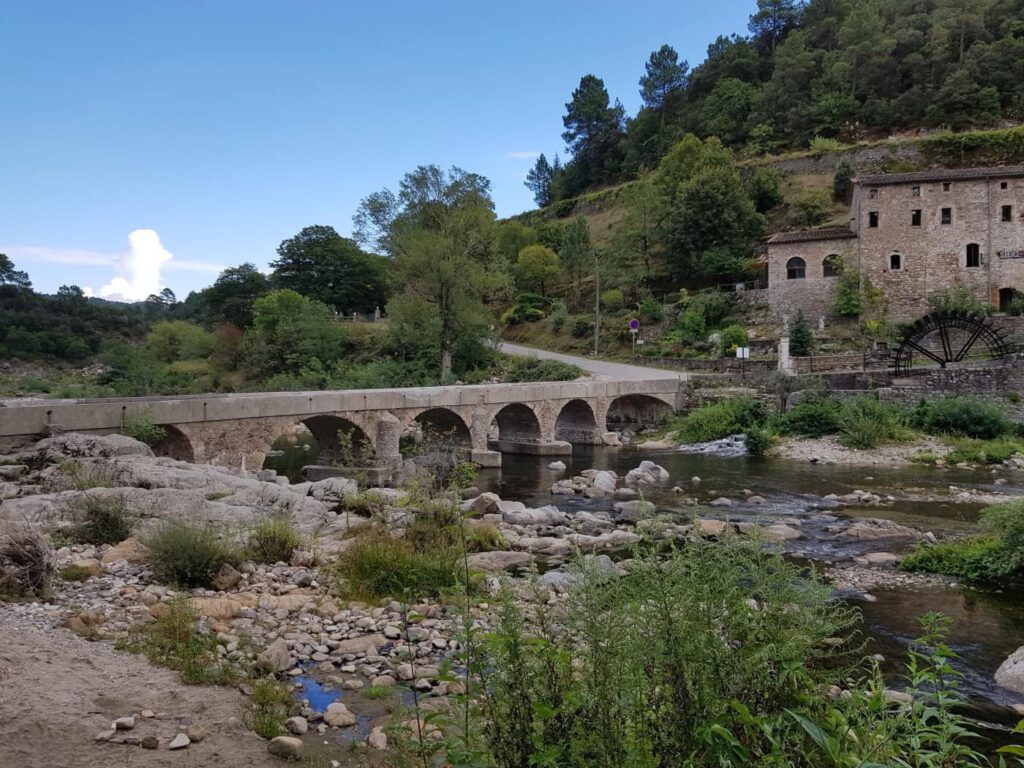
(911, 234)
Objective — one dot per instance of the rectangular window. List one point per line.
(915, 191)
(1007, 213)
(915, 218)
(947, 215)
(872, 218)
(1002, 185)
(873, 194)
(945, 186)
(895, 262)
(973, 255)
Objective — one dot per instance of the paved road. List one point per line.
(599, 368)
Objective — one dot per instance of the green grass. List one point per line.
(173, 642)
(718, 420)
(75, 573)
(984, 451)
(971, 559)
(267, 708)
(188, 554)
(273, 539)
(379, 692)
(102, 519)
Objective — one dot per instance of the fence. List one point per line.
(842, 361)
(712, 365)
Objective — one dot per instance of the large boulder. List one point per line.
(333, 489)
(647, 473)
(548, 515)
(1010, 674)
(604, 481)
(632, 511)
(498, 562)
(76, 445)
(275, 657)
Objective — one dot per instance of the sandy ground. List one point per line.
(827, 450)
(57, 691)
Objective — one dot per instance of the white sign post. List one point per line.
(634, 329)
(742, 353)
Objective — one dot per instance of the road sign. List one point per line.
(634, 326)
(743, 353)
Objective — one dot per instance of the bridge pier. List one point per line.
(541, 448)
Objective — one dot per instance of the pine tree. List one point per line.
(800, 340)
(539, 179)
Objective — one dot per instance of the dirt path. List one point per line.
(601, 369)
(57, 691)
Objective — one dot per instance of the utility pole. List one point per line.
(597, 303)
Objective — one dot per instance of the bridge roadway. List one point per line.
(238, 429)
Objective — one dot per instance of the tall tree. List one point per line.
(773, 21)
(539, 181)
(320, 264)
(576, 254)
(593, 132)
(536, 266)
(665, 75)
(440, 231)
(11, 276)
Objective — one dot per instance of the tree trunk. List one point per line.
(446, 362)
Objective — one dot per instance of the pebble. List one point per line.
(296, 725)
(150, 742)
(196, 733)
(288, 747)
(180, 741)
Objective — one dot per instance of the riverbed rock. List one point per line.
(708, 527)
(87, 567)
(227, 578)
(548, 515)
(558, 466)
(129, 550)
(1010, 674)
(780, 532)
(75, 445)
(647, 473)
(632, 511)
(486, 503)
(881, 558)
(287, 747)
(721, 501)
(338, 715)
(333, 489)
(297, 725)
(605, 481)
(275, 657)
(499, 562)
(873, 528)
(367, 644)
(377, 739)
(180, 741)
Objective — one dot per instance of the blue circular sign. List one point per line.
(634, 325)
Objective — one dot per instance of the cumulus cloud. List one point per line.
(138, 268)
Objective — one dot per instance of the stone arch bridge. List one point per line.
(237, 430)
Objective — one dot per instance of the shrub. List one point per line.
(26, 563)
(267, 709)
(718, 420)
(865, 423)
(612, 299)
(102, 519)
(801, 342)
(524, 369)
(692, 327)
(140, 426)
(273, 539)
(558, 315)
(1006, 523)
(85, 476)
(957, 298)
(984, 451)
(814, 417)
(172, 641)
(821, 144)
(732, 337)
(809, 209)
(651, 310)
(972, 559)
(759, 441)
(379, 566)
(484, 537)
(188, 554)
(963, 417)
(581, 328)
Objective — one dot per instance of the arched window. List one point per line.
(796, 268)
(973, 255)
(832, 265)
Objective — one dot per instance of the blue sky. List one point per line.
(227, 126)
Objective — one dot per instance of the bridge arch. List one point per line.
(175, 444)
(339, 438)
(576, 423)
(637, 412)
(518, 423)
(442, 425)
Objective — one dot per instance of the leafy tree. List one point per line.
(11, 276)
(230, 298)
(841, 183)
(536, 266)
(291, 332)
(576, 253)
(773, 21)
(173, 340)
(801, 342)
(512, 238)
(321, 264)
(540, 180)
(440, 232)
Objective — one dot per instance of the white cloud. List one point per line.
(138, 268)
(524, 154)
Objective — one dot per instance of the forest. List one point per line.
(832, 69)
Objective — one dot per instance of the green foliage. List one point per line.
(849, 299)
(634, 670)
(85, 476)
(822, 144)
(188, 554)
(841, 185)
(612, 299)
(1006, 523)
(815, 416)
(759, 440)
(172, 641)
(957, 298)
(984, 451)
(718, 420)
(975, 147)
(139, 425)
(763, 186)
(809, 209)
(962, 417)
(581, 328)
(733, 336)
(529, 308)
(651, 310)
(268, 707)
(866, 423)
(105, 519)
(558, 315)
(801, 342)
(526, 369)
(536, 267)
(173, 340)
(378, 566)
(484, 537)
(273, 539)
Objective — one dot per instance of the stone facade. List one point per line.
(913, 234)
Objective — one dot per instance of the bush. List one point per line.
(26, 563)
(484, 537)
(102, 519)
(558, 315)
(526, 369)
(972, 559)
(273, 539)
(188, 554)
(984, 451)
(651, 310)
(140, 426)
(379, 566)
(962, 417)
(801, 342)
(718, 420)
(612, 299)
(958, 298)
(732, 337)
(759, 441)
(821, 144)
(267, 709)
(173, 642)
(866, 423)
(1006, 523)
(814, 417)
(581, 328)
